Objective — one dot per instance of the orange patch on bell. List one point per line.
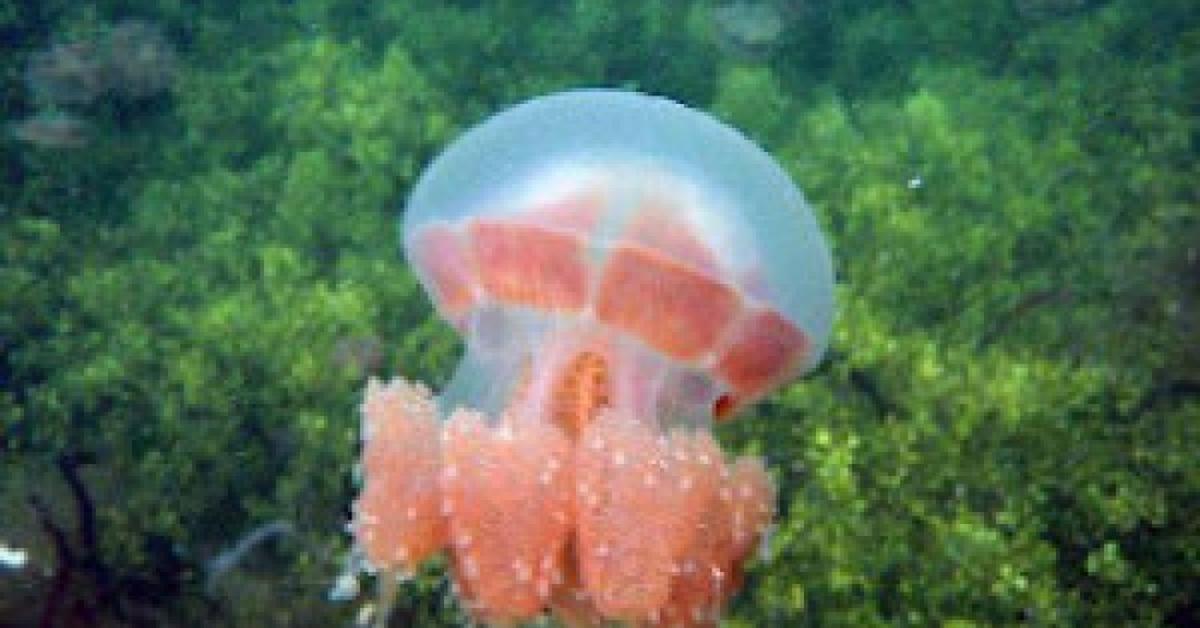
(668, 305)
(531, 265)
(442, 254)
(765, 349)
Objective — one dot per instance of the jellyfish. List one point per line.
(625, 272)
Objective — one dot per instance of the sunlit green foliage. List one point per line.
(1006, 430)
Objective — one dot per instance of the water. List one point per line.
(198, 216)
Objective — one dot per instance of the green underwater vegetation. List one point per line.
(197, 276)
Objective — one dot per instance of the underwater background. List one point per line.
(199, 267)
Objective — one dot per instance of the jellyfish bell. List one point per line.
(635, 217)
(624, 271)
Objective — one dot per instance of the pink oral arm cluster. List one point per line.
(622, 522)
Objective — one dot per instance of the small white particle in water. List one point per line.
(13, 557)
(365, 614)
(345, 587)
